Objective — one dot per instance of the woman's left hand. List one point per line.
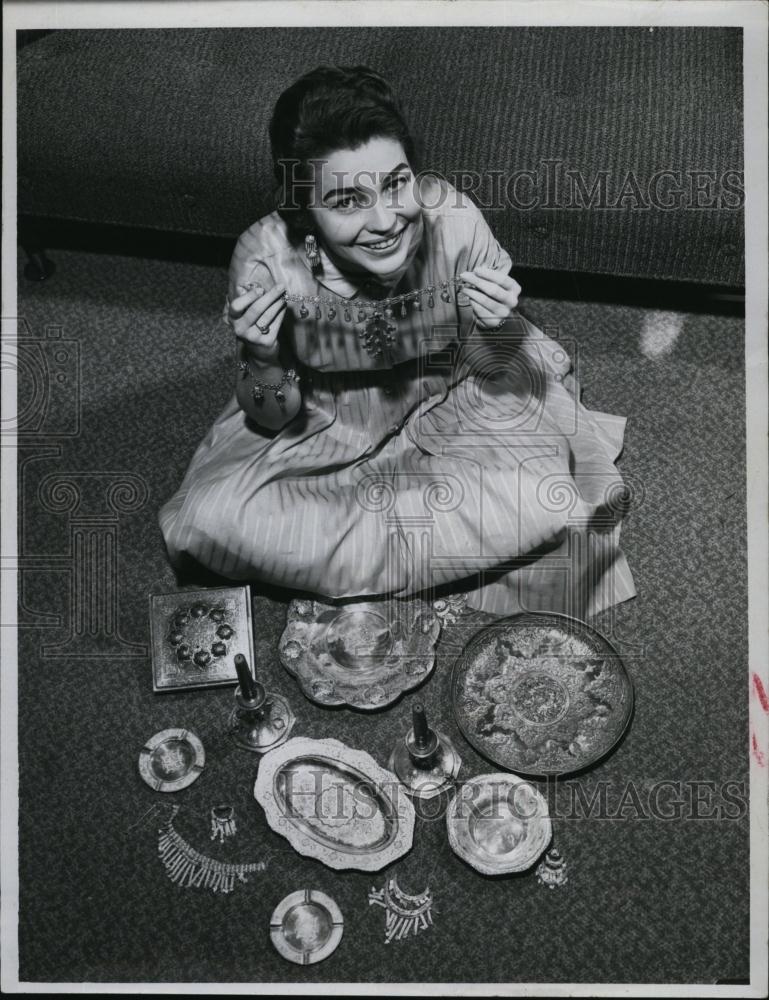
(494, 295)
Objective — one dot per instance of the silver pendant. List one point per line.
(551, 871)
(405, 914)
(223, 823)
(378, 335)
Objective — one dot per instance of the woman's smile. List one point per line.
(384, 246)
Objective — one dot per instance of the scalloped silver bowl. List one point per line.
(364, 655)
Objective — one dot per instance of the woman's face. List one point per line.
(366, 213)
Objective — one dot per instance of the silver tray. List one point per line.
(364, 655)
(335, 804)
(498, 823)
(541, 694)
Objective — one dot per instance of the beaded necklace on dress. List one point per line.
(379, 315)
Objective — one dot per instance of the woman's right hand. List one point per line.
(255, 317)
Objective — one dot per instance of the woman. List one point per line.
(397, 426)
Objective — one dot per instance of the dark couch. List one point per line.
(166, 130)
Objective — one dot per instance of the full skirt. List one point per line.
(481, 471)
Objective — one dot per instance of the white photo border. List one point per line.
(753, 17)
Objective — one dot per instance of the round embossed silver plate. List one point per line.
(335, 804)
(171, 760)
(541, 694)
(498, 823)
(306, 926)
(364, 655)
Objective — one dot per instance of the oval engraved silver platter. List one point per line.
(498, 823)
(541, 694)
(335, 804)
(364, 655)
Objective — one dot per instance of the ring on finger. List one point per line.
(262, 329)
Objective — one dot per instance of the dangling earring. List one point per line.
(312, 251)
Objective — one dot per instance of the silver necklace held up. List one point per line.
(379, 315)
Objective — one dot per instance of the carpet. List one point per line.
(146, 367)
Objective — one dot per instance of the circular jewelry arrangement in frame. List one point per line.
(171, 760)
(306, 926)
(200, 633)
(541, 694)
(195, 635)
(364, 655)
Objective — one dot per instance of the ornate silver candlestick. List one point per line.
(260, 720)
(425, 761)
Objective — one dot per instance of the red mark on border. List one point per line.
(757, 753)
(762, 695)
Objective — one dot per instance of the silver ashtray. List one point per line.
(306, 926)
(171, 760)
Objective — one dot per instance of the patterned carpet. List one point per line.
(146, 368)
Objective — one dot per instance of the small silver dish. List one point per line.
(498, 824)
(306, 926)
(171, 760)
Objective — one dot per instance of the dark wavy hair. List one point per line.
(329, 108)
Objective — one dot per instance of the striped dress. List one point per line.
(457, 458)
